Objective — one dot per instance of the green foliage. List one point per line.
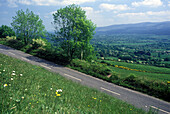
(6, 31)
(94, 69)
(26, 88)
(28, 26)
(76, 30)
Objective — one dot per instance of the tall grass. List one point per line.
(26, 88)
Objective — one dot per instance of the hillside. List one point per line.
(158, 28)
(27, 88)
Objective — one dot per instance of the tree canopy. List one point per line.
(6, 31)
(28, 26)
(76, 30)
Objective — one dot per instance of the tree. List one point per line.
(6, 31)
(28, 26)
(76, 30)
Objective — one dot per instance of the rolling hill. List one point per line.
(158, 28)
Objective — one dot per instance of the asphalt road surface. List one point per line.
(135, 98)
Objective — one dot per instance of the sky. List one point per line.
(100, 12)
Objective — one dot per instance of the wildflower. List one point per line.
(29, 103)
(4, 70)
(58, 95)
(26, 89)
(12, 79)
(10, 97)
(168, 82)
(13, 74)
(13, 71)
(94, 98)
(51, 88)
(22, 97)
(20, 74)
(88, 105)
(59, 90)
(0, 72)
(130, 109)
(17, 100)
(5, 85)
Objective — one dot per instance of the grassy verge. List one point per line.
(27, 88)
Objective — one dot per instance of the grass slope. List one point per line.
(27, 88)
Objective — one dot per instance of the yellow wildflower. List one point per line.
(5, 85)
(58, 95)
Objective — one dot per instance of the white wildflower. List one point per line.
(12, 79)
(21, 75)
(13, 74)
(13, 71)
(59, 90)
(4, 70)
(51, 88)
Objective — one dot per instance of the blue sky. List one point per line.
(101, 12)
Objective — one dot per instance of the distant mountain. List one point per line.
(158, 28)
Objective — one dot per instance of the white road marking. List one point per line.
(160, 110)
(109, 91)
(11, 53)
(25, 59)
(45, 66)
(72, 77)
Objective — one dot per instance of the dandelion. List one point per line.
(94, 98)
(5, 85)
(58, 95)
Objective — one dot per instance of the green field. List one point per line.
(26, 88)
(149, 72)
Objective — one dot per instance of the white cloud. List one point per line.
(151, 3)
(169, 3)
(47, 2)
(149, 13)
(26, 2)
(149, 16)
(109, 7)
(12, 3)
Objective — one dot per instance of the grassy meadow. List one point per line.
(142, 71)
(27, 88)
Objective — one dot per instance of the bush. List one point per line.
(6, 31)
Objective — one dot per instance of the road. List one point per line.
(135, 98)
